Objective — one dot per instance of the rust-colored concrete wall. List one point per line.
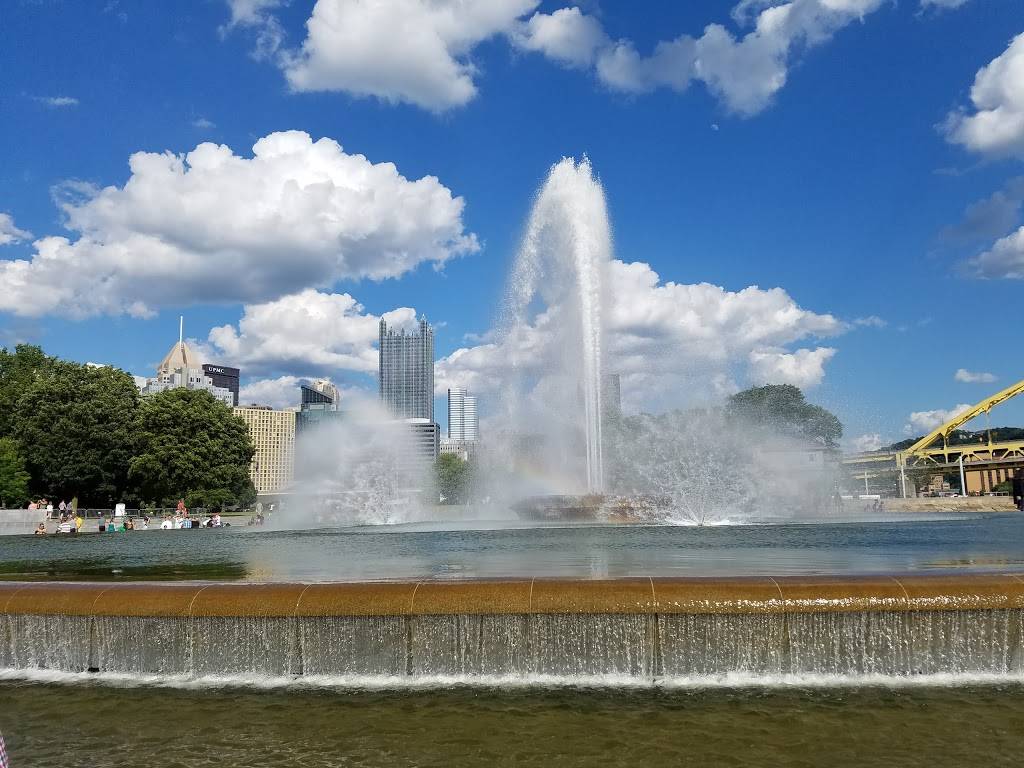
(538, 596)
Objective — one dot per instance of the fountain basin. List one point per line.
(645, 596)
(644, 629)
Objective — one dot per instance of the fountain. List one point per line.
(641, 630)
(437, 625)
(557, 308)
(562, 262)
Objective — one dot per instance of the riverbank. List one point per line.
(952, 504)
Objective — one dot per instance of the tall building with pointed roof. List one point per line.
(180, 355)
(181, 368)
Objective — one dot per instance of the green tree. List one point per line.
(18, 371)
(192, 446)
(453, 478)
(782, 408)
(76, 427)
(13, 477)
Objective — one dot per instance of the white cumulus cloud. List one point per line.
(567, 35)
(671, 343)
(413, 51)
(922, 422)
(279, 392)
(308, 333)
(996, 125)
(1004, 259)
(804, 368)
(971, 377)
(868, 442)
(743, 70)
(213, 226)
(421, 52)
(10, 233)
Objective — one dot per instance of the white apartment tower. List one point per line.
(463, 421)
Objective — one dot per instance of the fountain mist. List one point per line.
(561, 265)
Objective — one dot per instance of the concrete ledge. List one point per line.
(618, 596)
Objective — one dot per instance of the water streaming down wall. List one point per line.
(966, 633)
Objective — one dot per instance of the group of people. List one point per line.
(182, 519)
(122, 523)
(47, 505)
(71, 521)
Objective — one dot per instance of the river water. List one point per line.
(64, 726)
(494, 550)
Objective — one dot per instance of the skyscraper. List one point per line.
(463, 423)
(406, 371)
(273, 436)
(180, 368)
(318, 405)
(223, 376)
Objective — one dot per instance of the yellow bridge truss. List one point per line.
(927, 453)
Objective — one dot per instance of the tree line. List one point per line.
(72, 430)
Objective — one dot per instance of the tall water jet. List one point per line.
(561, 265)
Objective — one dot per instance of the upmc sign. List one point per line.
(221, 370)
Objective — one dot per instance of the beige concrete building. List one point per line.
(273, 437)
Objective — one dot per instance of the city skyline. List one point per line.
(809, 227)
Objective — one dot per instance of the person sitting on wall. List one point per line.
(166, 524)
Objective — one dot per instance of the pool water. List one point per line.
(64, 726)
(492, 550)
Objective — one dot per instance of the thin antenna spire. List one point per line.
(181, 329)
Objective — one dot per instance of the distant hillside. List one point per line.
(965, 437)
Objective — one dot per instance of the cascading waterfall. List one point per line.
(562, 262)
(544, 647)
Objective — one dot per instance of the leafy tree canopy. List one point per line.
(453, 478)
(191, 446)
(76, 427)
(18, 371)
(782, 408)
(13, 477)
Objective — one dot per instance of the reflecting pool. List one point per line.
(456, 550)
(63, 726)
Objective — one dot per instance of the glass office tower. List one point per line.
(406, 371)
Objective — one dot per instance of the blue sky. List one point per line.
(845, 186)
